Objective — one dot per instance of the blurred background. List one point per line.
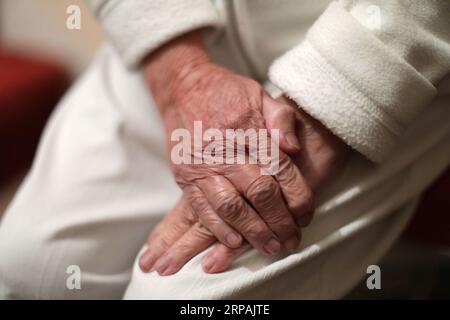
(39, 59)
(38, 27)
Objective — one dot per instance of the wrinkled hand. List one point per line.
(180, 235)
(230, 200)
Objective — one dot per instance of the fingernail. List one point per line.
(292, 140)
(234, 240)
(292, 243)
(162, 265)
(146, 261)
(272, 247)
(208, 263)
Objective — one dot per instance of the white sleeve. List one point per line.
(136, 27)
(366, 69)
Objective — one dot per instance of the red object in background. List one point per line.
(29, 90)
(431, 222)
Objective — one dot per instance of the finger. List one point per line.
(264, 194)
(174, 225)
(233, 209)
(220, 258)
(278, 115)
(297, 193)
(194, 241)
(274, 162)
(210, 219)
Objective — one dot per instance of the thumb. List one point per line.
(278, 115)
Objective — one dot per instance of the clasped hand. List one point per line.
(232, 204)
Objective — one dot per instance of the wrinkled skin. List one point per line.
(235, 203)
(181, 235)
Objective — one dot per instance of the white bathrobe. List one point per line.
(376, 73)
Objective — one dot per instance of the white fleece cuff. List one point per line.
(137, 27)
(345, 77)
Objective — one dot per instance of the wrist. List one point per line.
(166, 68)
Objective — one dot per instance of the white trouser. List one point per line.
(100, 182)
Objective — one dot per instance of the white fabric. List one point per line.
(368, 85)
(138, 27)
(100, 183)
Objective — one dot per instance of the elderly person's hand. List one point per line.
(180, 235)
(230, 200)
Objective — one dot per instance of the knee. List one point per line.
(20, 271)
(31, 263)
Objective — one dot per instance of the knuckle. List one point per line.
(287, 173)
(278, 220)
(285, 224)
(210, 220)
(238, 119)
(199, 203)
(230, 206)
(203, 232)
(189, 215)
(286, 165)
(257, 230)
(263, 190)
